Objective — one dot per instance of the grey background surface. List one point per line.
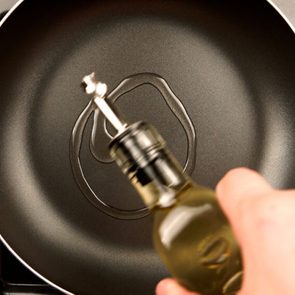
(6, 4)
(286, 6)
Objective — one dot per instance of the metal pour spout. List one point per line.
(99, 90)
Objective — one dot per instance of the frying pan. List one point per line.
(232, 65)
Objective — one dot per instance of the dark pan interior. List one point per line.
(232, 65)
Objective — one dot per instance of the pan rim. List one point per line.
(282, 14)
(6, 244)
(275, 6)
(31, 269)
(11, 10)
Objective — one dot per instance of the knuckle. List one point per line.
(267, 217)
(257, 211)
(272, 210)
(264, 209)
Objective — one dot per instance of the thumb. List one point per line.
(237, 188)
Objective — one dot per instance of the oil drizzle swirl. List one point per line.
(100, 138)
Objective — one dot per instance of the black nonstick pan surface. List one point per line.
(232, 65)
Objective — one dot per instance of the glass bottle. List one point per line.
(190, 232)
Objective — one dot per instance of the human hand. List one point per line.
(263, 221)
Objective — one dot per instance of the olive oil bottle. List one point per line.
(190, 232)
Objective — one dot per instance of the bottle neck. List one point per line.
(142, 155)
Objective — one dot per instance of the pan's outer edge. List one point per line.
(32, 270)
(283, 15)
(6, 16)
(10, 12)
